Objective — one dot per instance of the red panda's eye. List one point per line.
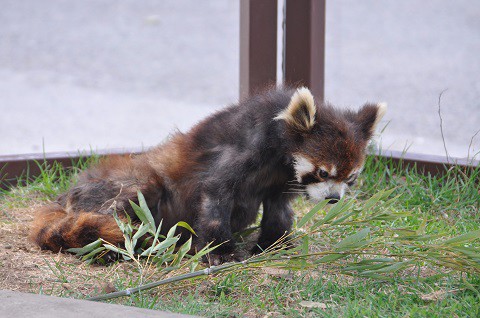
(323, 174)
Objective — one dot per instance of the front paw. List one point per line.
(223, 253)
(218, 259)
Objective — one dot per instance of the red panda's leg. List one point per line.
(214, 224)
(276, 221)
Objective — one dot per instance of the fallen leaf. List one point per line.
(273, 314)
(437, 295)
(108, 288)
(278, 272)
(313, 304)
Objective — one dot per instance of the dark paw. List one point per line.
(108, 258)
(217, 259)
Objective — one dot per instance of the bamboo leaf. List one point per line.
(93, 253)
(418, 238)
(123, 227)
(354, 240)
(375, 276)
(146, 211)
(307, 217)
(171, 232)
(467, 237)
(129, 247)
(165, 257)
(186, 226)
(142, 230)
(141, 214)
(469, 251)
(376, 260)
(115, 249)
(204, 251)
(193, 265)
(363, 268)
(340, 207)
(391, 201)
(343, 218)
(389, 269)
(182, 251)
(161, 247)
(86, 249)
(149, 250)
(305, 244)
(330, 258)
(376, 198)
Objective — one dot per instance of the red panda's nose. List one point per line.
(333, 198)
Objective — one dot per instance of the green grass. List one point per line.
(235, 293)
(445, 206)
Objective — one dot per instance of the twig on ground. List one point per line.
(441, 123)
(470, 146)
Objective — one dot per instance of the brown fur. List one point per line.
(216, 176)
(54, 229)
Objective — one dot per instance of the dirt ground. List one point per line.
(24, 267)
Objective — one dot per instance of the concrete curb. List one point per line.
(18, 305)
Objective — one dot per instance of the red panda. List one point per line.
(216, 176)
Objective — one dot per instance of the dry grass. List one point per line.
(23, 267)
(448, 206)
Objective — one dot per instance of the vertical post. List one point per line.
(305, 44)
(258, 45)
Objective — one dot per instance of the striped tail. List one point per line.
(56, 230)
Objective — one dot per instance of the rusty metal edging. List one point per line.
(14, 166)
(428, 164)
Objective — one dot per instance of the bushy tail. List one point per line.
(56, 230)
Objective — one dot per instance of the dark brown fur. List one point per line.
(215, 177)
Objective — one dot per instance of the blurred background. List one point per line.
(96, 74)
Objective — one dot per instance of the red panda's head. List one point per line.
(329, 144)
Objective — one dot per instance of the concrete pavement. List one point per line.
(20, 305)
(109, 74)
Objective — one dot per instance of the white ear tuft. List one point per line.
(381, 110)
(301, 110)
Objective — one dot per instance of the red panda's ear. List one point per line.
(300, 113)
(369, 116)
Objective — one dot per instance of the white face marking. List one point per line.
(322, 190)
(302, 166)
(333, 172)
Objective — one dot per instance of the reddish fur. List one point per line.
(54, 229)
(215, 177)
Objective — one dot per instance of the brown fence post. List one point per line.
(258, 45)
(305, 44)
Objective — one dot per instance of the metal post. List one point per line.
(305, 44)
(258, 45)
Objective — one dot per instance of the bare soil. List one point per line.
(26, 268)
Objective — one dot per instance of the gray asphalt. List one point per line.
(97, 74)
